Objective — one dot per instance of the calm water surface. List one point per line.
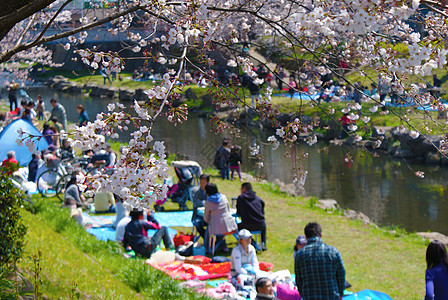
(384, 189)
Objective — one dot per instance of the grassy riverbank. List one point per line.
(374, 258)
(76, 265)
(72, 261)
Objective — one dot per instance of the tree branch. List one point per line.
(8, 21)
(5, 56)
(51, 20)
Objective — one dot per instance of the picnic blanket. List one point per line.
(174, 218)
(99, 221)
(102, 224)
(184, 271)
(368, 295)
(108, 233)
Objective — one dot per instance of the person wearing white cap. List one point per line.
(243, 260)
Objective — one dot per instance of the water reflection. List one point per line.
(384, 189)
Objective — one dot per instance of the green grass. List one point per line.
(73, 258)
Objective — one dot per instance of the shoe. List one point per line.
(263, 247)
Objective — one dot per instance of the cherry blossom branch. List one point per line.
(25, 30)
(181, 66)
(51, 20)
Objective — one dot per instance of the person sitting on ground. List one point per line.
(112, 157)
(320, 272)
(10, 163)
(66, 151)
(31, 108)
(26, 115)
(121, 225)
(48, 134)
(95, 160)
(199, 197)
(23, 106)
(243, 260)
(250, 208)
(136, 237)
(217, 214)
(265, 289)
(73, 197)
(51, 159)
(300, 243)
(59, 127)
(437, 271)
(104, 203)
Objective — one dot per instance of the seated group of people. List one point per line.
(216, 216)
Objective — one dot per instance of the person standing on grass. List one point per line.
(292, 86)
(12, 94)
(222, 157)
(235, 161)
(320, 272)
(40, 108)
(83, 116)
(437, 271)
(59, 112)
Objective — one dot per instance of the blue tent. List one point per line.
(8, 138)
(368, 295)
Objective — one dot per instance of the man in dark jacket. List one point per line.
(251, 209)
(135, 235)
(222, 159)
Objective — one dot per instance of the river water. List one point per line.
(384, 189)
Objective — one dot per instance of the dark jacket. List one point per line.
(32, 169)
(251, 208)
(234, 158)
(135, 234)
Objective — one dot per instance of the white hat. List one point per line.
(244, 234)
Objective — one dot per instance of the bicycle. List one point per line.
(49, 180)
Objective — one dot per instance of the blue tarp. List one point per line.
(104, 231)
(108, 233)
(368, 295)
(174, 218)
(8, 138)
